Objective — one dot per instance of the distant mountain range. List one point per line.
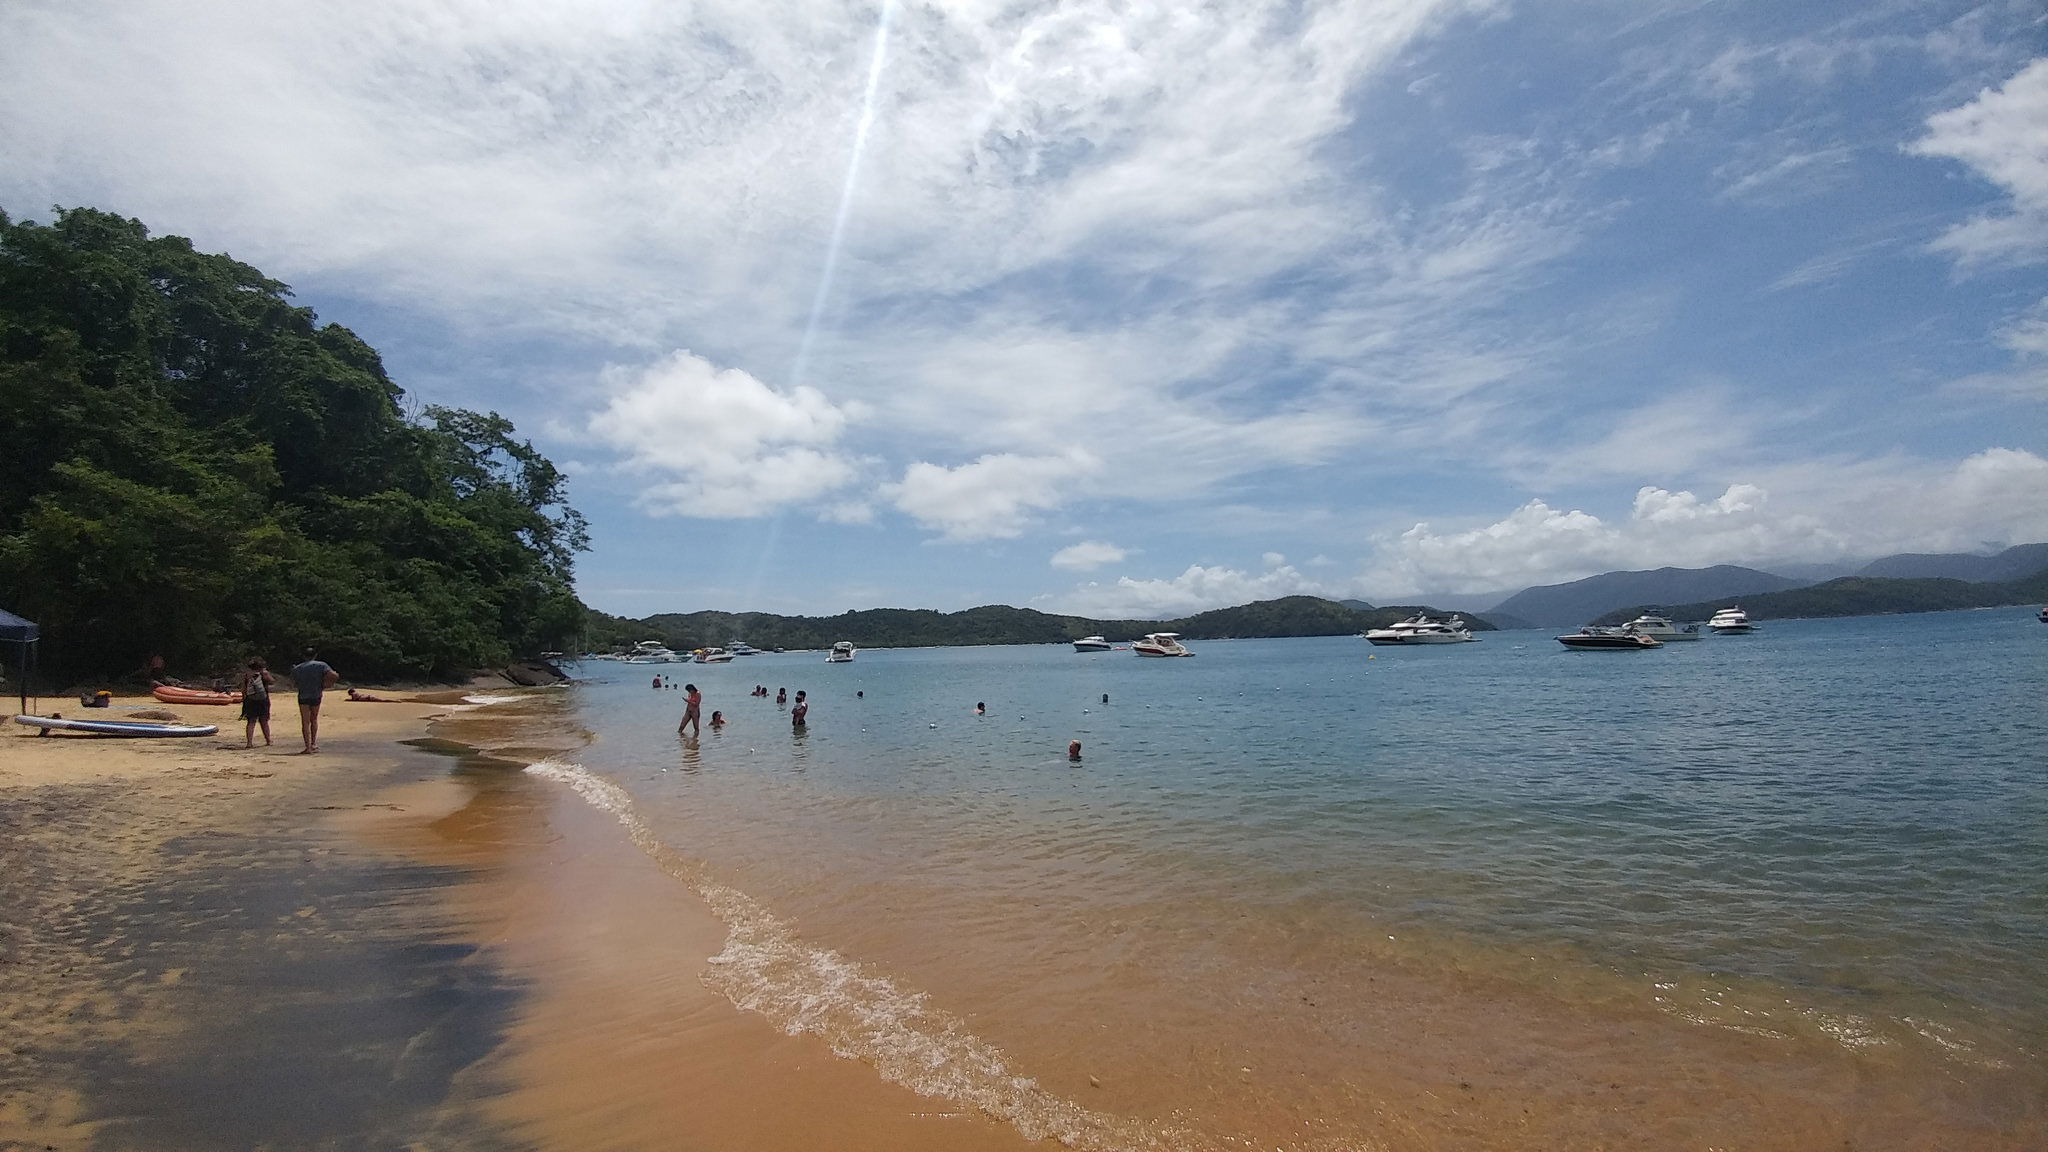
(2015, 563)
(1572, 604)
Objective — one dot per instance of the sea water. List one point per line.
(1313, 893)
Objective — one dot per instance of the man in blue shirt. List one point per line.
(313, 677)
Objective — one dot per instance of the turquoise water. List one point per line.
(1830, 833)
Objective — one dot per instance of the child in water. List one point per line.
(798, 710)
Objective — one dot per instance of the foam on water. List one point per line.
(485, 701)
(765, 967)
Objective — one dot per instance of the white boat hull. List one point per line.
(1403, 640)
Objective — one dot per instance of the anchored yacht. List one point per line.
(1731, 621)
(1421, 629)
(1661, 629)
(1161, 644)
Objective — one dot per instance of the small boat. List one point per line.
(653, 652)
(1661, 629)
(1091, 644)
(51, 724)
(713, 656)
(1421, 629)
(1161, 644)
(742, 648)
(841, 653)
(1731, 621)
(1612, 639)
(2043, 617)
(173, 694)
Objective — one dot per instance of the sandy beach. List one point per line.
(387, 944)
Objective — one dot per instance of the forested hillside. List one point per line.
(1864, 596)
(191, 466)
(991, 624)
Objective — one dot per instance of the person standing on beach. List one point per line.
(798, 711)
(312, 677)
(692, 701)
(256, 682)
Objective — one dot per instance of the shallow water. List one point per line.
(1770, 890)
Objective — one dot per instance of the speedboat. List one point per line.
(1731, 621)
(713, 656)
(1420, 629)
(1091, 644)
(1161, 644)
(742, 648)
(1661, 629)
(1614, 639)
(2043, 617)
(652, 652)
(841, 653)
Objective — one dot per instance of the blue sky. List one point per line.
(1134, 309)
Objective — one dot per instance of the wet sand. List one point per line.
(202, 946)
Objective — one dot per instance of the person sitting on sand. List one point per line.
(256, 682)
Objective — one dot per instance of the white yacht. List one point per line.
(841, 653)
(714, 656)
(1731, 621)
(1661, 629)
(1420, 629)
(1161, 644)
(742, 648)
(652, 652)
(1091, 644)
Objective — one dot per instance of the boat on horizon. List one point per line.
(1608, 639)
(841, 653)
(1161, 644)
(1731, 621)
(1661, 629)
(1422, 628)
(1091, 644)
(652, 652)
(742, 648)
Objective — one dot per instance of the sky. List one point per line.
(1133, 309)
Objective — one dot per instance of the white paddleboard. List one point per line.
(116, 727)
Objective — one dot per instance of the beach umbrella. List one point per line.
(24, 634)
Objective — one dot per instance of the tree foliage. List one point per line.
(194, 467)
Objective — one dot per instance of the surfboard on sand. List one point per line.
(51, 724)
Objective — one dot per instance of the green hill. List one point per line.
(193, 467)
(991, 624)
(1862, 596)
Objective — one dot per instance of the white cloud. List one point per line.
(1087, 556)
(993, 497)
(1196, 590)
(1273, 559)
(710, 442)
(2003, 136)
(1812, 512)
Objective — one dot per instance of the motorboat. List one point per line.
(714, 656)
(841, 653)
(1608, 639)
(653, 652)
(742, 648)
(1661, 629)
(1161, 644)
(1731, 621)
(1091, 644)
(1422, 629)
(2043, 617)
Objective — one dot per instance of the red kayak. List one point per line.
(171, 694)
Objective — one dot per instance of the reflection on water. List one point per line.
(1485, 895)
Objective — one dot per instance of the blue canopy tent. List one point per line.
(23, 634)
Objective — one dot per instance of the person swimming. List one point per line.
(1073, 749)
(980, 709)
(717, 721)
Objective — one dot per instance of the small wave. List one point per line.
(483, 701)
(803, 989)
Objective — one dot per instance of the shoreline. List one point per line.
(400, 940)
